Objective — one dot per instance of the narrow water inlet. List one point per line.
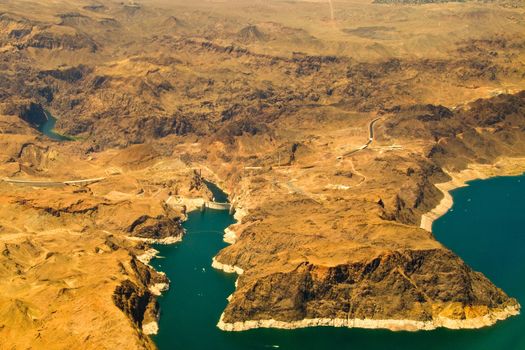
(43, 121)
(48, 129)
(34, 115)
(198, 292)
(220, 199)
(218, 195)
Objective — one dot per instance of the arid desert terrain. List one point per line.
(336, 134)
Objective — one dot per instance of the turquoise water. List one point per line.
(48, 129)
(485, 227)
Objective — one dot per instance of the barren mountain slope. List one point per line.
(274, 101)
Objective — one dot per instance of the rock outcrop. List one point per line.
(423, 286)
(139, 300)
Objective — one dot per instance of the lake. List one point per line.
(485, 227)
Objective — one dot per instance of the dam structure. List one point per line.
(199, 203)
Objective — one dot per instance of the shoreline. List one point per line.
(147, 256)
(163, 241)
(229, 236)
(156, 289)
(502, 167)
(226, 268)
(460, 179)
(150, 328)
(192, 204)
(446, 203)
(390, 324)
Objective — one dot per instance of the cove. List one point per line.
(48, 128)
(485, 227)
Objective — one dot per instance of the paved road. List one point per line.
(370, 138)
(38, 183)
(371, 128)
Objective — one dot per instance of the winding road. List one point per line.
(370, 138)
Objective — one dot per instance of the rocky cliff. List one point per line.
(414, 287)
